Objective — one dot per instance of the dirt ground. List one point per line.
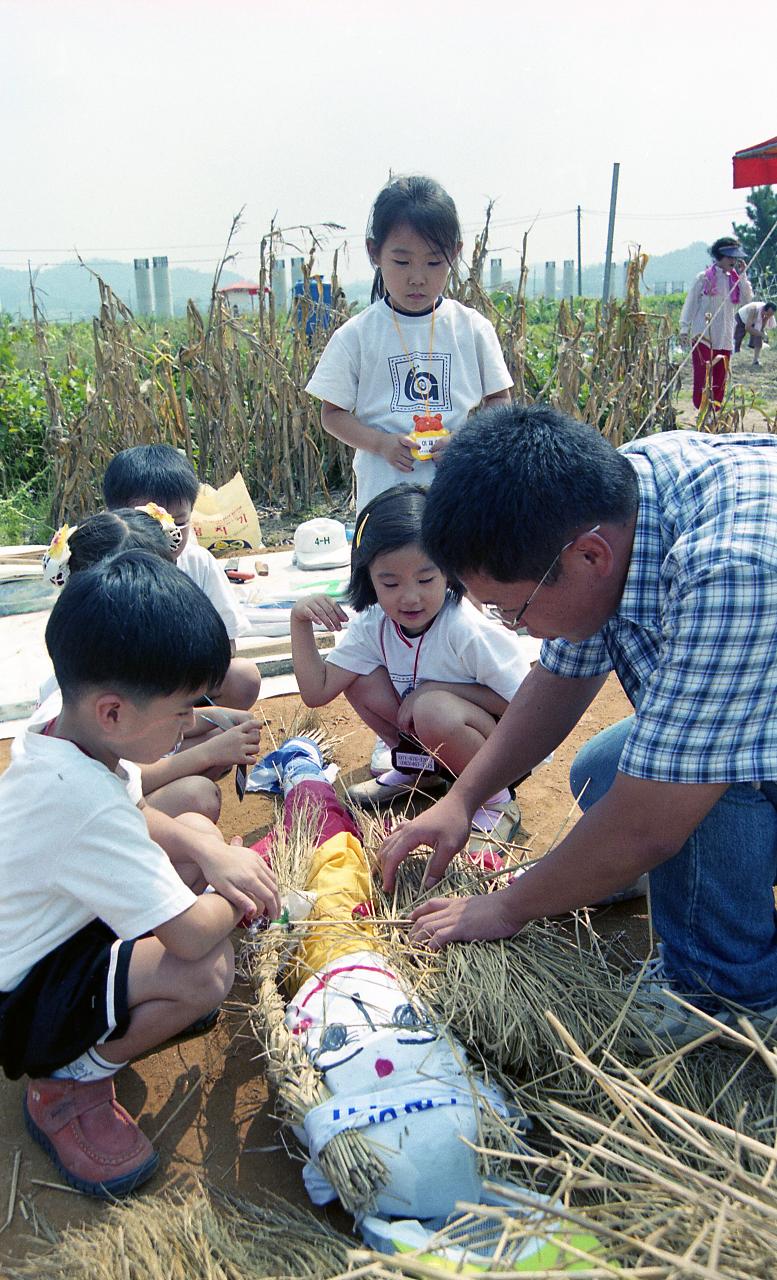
(205, 1104)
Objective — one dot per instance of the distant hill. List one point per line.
(68, 292)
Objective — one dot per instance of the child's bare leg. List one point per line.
(451, 727)
(166, 994)
(195, 794)
(188, 870)
(376, 701)
(241, 685)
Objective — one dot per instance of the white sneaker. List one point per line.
(380, 761)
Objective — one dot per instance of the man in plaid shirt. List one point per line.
(657, 561)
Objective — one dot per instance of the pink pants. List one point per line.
(704, 356)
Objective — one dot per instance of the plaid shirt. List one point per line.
(694, 638)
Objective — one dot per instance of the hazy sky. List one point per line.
(134, 127)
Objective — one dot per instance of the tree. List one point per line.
(761, 212)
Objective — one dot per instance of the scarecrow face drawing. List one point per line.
(359, 1026)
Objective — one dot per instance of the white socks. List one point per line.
(90, 1066)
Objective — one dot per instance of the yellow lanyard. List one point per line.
(410, 360)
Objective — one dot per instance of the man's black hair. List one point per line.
(109, 532)
(151, 473)
(391, 520)
(136, 624)
(514, 485)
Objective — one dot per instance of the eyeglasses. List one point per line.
(509, 617)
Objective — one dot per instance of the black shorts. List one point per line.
(70, 1000)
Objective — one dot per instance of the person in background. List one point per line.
(184, 781)
(707, 318)
(754, 319)
(160, 474)
(412, 354)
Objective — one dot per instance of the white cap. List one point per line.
(321, 544)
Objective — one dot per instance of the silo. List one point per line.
(495, 276)
(568, 286)
(296, 271)
(144, 305)
(163, 294)
(279, 286)
(550, 279)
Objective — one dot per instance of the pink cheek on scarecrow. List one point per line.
(383, 1067)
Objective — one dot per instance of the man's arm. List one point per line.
(634, 827)
(546, 707)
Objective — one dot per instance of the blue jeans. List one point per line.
(713, 902)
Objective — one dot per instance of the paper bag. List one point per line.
(224, 520)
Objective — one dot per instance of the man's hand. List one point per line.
(240, 875)
(445, 827)
(397, 450)
(444, 920)
(320, 609)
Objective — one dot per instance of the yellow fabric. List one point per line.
(340, 877)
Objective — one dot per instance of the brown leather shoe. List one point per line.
(95, 1144)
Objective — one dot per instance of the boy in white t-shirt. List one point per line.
(160, 474)
(106, 949)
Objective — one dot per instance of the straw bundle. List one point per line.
(192, 1235)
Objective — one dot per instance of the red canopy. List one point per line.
(756, 166)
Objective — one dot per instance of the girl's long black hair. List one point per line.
(417, 202)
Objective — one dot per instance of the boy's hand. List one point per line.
(238, 745)
(320, 609)
(242, 877)
(397, 450)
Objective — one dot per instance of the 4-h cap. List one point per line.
(321, 544)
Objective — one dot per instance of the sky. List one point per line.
(133, 127)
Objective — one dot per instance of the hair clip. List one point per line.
(360, 530)
(174, 532)
(55, 559)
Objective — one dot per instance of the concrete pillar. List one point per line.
(495, 276)
(163, 294)
(568, 286)
(296, 271)
(550, 279)
(144, 304)
(279, 287)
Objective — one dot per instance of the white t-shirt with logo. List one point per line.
(462, 646)
(384, 377)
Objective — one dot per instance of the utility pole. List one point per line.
(610, 231)
(579, 259)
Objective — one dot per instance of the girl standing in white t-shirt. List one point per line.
(420, 665)
(412, 353)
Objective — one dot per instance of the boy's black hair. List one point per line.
(151, 473)
(417, 202)
(515, 484)
(136, 624)
(110, 532)
(770, 306)
(722, 248)
(391, 520)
